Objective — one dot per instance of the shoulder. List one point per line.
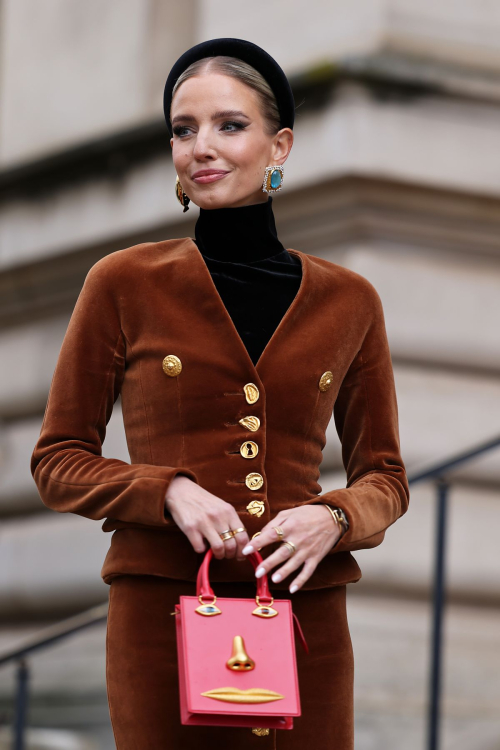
(342, 282)
(130, 264)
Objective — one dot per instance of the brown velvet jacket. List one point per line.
(145, 302)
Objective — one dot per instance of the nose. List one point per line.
(239, 660)
(203, 147)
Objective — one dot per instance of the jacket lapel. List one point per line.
(222, 321)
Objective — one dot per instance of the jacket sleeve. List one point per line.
(366, 419)
(67, 464)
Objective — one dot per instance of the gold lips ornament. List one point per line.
(235, 695)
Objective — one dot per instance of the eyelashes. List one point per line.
(238, 125)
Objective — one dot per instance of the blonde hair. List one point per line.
(242, 71)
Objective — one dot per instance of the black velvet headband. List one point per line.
(249, 53)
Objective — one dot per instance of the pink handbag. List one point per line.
(236, 657)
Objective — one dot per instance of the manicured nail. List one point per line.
(260, 572)
(293, 588)
(276, 577)
(248, 549)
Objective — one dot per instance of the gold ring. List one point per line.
(237, 531)
(279, 531)
(291, 546)
(225, 535)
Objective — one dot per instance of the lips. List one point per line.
(209, 172)
(235, 695)
(206, 176)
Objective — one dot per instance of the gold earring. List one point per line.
(181, 195)
(273, 179)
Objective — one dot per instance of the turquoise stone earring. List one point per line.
(273, 179)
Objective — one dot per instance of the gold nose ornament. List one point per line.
(239, 660)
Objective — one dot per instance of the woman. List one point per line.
(230, 353)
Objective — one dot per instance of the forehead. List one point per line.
(212, 91)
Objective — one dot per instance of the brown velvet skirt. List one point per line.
(142, 678)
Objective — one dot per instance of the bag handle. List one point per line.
(204, 589)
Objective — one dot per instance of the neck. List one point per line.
(241, 234)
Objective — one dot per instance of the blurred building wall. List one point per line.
(395, 173)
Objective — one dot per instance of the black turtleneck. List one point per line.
(256, 277)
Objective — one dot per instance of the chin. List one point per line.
(228, 199)
(213, 201)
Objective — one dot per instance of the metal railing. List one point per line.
(439, 473)
(41, 640)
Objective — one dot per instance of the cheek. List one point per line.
(246, 154)
(180, 157)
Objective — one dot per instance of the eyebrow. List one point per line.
(216, 115)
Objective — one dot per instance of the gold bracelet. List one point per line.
(337, 517)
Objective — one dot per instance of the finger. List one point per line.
(285, 570)
(281, 555)
(230, 545)
(306, 572)
(196, 538)
(219, 524)
(268, 534)
(290, 565)
(217, 544)
(241, 538)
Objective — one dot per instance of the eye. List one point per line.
(237, 125)
(178, 129)
(233, 124)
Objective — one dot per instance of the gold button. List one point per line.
(325, 381)
(254, 481)
(256, 507)
(249, 449)
(251, 423)
(261, 731)
(171, 365)
(251, 393)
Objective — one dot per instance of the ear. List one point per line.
(283, 142)
(171, 143)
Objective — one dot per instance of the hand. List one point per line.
(199, 514)
(313, 531)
